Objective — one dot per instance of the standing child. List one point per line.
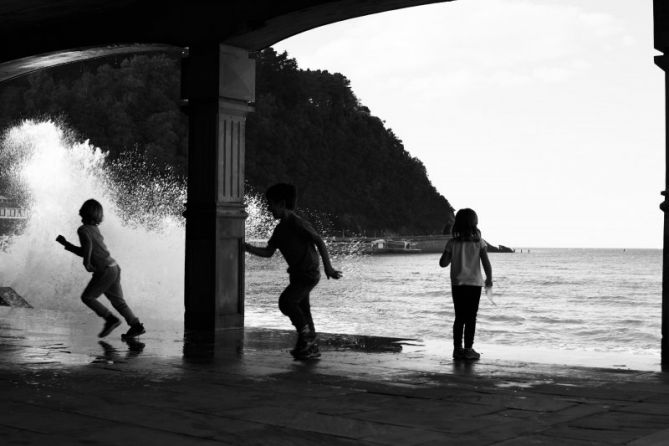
(465, 252)
(297, 241)
(106, 272)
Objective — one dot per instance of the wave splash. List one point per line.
(143, 227)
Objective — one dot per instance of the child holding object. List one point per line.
(297, 241)
(466, 251)
(106, 272)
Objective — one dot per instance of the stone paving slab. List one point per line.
(59, 385)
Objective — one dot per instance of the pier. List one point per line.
(13, 213)
(12, 216)
(422, 243)
(10, 210)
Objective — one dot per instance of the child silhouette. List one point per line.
(297, 241)
(106, 272)
(465, 252)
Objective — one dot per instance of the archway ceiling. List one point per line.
(41, 33)
(661, 19)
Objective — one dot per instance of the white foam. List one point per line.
(60, 174)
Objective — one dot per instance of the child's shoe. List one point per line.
(306, 342)
(458, 353)
(136, 329)
(312, 351)
(470, 353)
(111, 322)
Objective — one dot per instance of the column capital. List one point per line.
(213, 70)
(208, 211)
(234, 107)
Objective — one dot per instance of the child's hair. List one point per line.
(91, 212)
(282, 192)
(465, 226)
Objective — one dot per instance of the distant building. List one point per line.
(9, 209)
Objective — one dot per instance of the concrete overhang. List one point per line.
(43, 33)
(661, 25)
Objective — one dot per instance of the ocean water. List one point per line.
(576, 306)
(573, 303)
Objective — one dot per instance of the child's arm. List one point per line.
(445, 259)
(487, 268)
(330, 272)
(267, 251)
(69, 246)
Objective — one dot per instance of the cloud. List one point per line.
(504, 42)
(602, 24)
(557, 94)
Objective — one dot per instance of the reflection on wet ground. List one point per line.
(111, 355)
(60, 383)
(39, 338)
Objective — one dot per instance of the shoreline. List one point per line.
(61, 385)
(431, 351)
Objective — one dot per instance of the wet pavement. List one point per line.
(61, 385)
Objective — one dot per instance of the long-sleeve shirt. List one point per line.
(92, 247)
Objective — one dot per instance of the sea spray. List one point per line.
(58, 174)
(142, 227)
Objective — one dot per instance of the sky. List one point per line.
(544, 116)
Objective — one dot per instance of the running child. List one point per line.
(106, 272)
(466, 251)
(297, 241)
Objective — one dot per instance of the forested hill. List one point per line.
(308, 128)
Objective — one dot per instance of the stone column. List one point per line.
(218, 85)
(663, 63)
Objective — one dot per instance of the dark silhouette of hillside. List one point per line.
(309, 129)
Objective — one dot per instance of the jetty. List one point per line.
(10, 210)
(407, 244)
(12, 216)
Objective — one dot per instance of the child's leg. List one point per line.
(471, 310)
(459, 305)
(98, 285)
(115, 295)
(290, 303)
(305, 306)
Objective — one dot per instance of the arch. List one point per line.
(44, 33)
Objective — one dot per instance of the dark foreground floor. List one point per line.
(59, 386)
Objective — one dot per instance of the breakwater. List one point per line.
(425, 243)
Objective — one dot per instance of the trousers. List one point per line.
(294, 301)
(466, 302)
(107, 282)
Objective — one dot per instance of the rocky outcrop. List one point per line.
(10, 298)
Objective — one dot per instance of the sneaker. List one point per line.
(111, 322)
(458, 353)
(310, 353)
(135, 330)
(306, 342)
(470, 353)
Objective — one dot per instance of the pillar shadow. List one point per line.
(202, 347)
